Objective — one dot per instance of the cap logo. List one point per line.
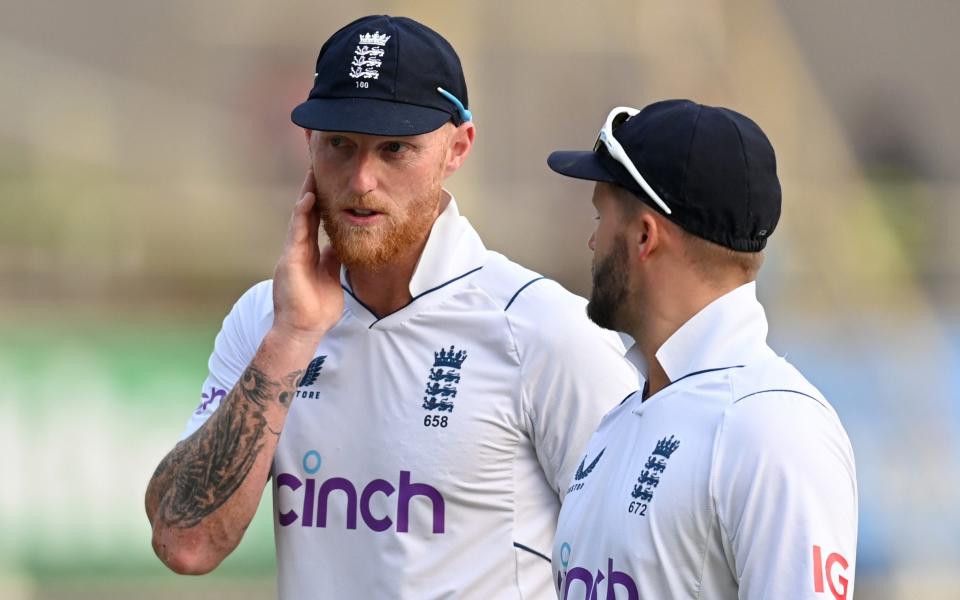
(367, 56)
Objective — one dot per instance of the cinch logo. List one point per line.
(820, 570)
(215, 395)
(577, 583)
(316, 498)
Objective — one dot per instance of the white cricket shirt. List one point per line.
(735, 481)
(427, 451)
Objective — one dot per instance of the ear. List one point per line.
(646, 235)
(458, 147)
(307, 136)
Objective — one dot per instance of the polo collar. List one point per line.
(453, 249)
(730, 331)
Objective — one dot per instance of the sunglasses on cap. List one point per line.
(618, 116)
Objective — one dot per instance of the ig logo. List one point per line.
(827, 570)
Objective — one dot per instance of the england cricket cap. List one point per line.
(380, 75)
(713, 167)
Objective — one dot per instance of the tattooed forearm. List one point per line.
(213, 464)
(204, 471)
(256, 387)
(289, 387)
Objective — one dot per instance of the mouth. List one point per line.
(361, 216)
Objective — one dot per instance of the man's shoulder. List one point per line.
(773, 376)
(773, 402)
(258, 299)
(517, 289)
(253, 309)
(542, 313)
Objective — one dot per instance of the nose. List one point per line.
(363, 179)
(592, 242)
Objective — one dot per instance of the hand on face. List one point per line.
(307, 297)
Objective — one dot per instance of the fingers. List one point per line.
(330, 263)
(304, 220)
(309, 183)
(299, 231)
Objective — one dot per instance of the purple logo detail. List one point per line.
(290, 481)
(215, 395)
(579, 580)
(317, 500)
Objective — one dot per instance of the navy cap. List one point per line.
(712, 166)
(379, 75)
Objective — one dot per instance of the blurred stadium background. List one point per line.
(147, 165)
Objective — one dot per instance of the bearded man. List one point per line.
(729, 476)
(419, 402)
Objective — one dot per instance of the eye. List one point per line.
(336, 141)
(393, 147)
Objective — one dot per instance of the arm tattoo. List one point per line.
(204, 471)
(290, 384)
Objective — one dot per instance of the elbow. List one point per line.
(150, 505)
(185, 564)
(183, 553)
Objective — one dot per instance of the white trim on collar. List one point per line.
(452, 249)
(730, 331)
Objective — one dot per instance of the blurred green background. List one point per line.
(148, 164)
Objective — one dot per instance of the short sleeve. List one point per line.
(785, 491)
(572, 372)
(233, 349)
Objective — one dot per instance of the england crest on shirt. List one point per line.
(649, 478)
(442, 382)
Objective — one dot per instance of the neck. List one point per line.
(656, 378)
(660, 318)
(386, 289)
(655, 329)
